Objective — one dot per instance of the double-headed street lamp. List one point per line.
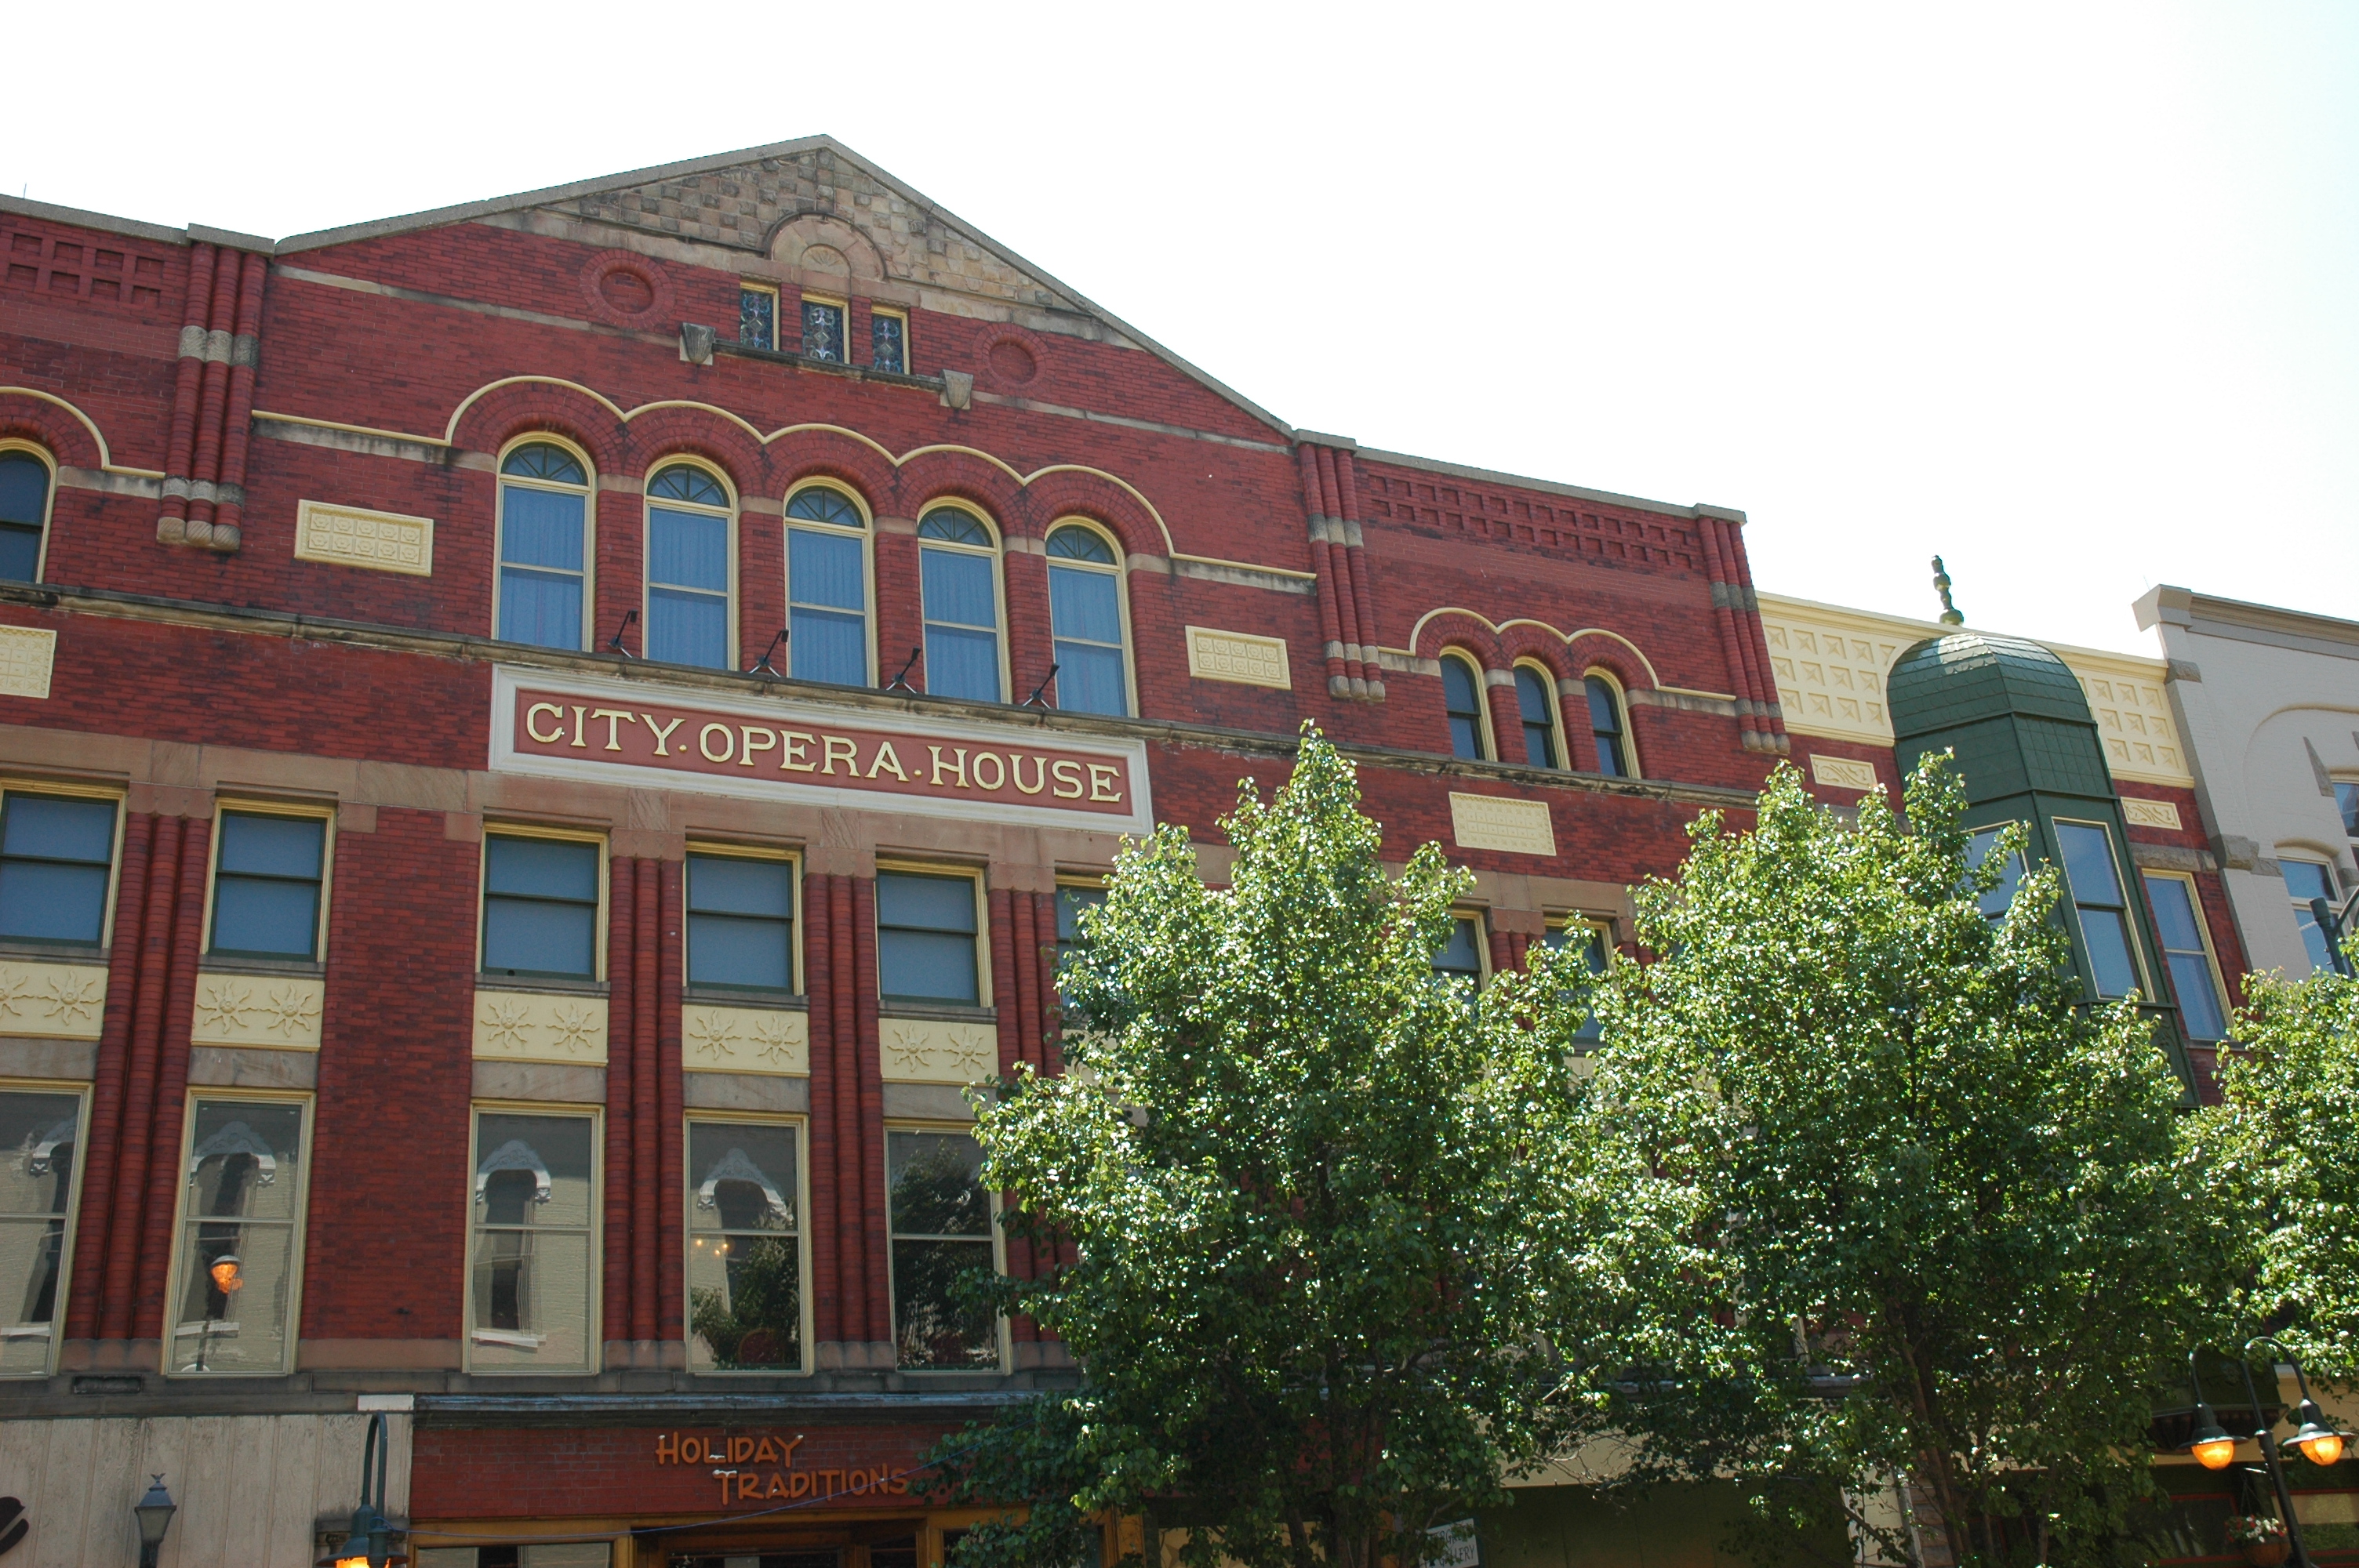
(369, 1543)
(2214, 1446)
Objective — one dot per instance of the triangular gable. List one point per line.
(814, 195)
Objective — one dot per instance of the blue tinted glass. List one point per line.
(542, 868)
(828, 645)
(251, 916)
(2346, 800)
(24, 489)
(20, 553)
(958, 528)
(724, 951)
(2313, 940)
(723, 884)
(2305, 880)
(1604, 715)
(821, 504)
(541, 608)
(540, 528)
(545, 938)
(1070, 902)
(2109, 951)
(1082, 604)
(59, 829)
(687, 628)
(926, 967)
(683, 482)
(687, 549)
(1531, 696)
(958, 588)
(1080, 544)
(1089, 679)
(2089, 863)
(1457, 956)
(2198, 1000)
(940, 903)
(542, 461)
(823, 568)
(52, 904)
(1466, 739)
(1994, 903)
(1457, 694)
(272, 846)
(2174, 914)
(963, 664)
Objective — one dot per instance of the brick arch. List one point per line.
(941, 474)
(1534, 644)
(52, 426)
(655, 437)
(829, 454)
(1597, 651)
(1069, 494)
(1464, 631)
(501, 415)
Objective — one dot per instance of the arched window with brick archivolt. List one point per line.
(831, 587)
(1462, 702)
(1609, 725)
(27, 483)
(958, 583)
(1088, 621)
(691, 567)
(547, 550)
(1536, 705)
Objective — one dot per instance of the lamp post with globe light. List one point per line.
(2214, 1447)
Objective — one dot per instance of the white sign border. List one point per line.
(507, 680)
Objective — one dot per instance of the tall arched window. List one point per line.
(1609, 726)
(1536, 700)
(1086, 621)
(544, 589)
(689, 569)
(24, 515)
(827, 588)
(957, 573)
(1461, 699)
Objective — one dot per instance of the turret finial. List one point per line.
(1950, 615)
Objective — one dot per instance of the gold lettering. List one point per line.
(793, 743)
(850, 754)
(728, 743)
(1065, 774)
(667, 1448)
(662, 732)
(767, 1453)
(960, 765)
(612, 715)
(886, 757)
(999, 769)
(747, 733)
(535, 711)
(1101, 776)
(1039, 773)
(576, 741)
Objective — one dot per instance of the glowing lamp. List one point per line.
(225, 1275)
(2319, 1444)
(2213, 1448)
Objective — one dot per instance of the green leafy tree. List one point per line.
(2281, 1151)
(1893, 1203)
(1310, 1268)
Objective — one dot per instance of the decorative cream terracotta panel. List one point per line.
(938, 1051)
(541, 1026)
(1842, 773)
(27, 653)
(276, 1012)
(64, 1002)
(351, 537)
(2134, 718)
(1238, 656)
(2150, 813)
(744, 1040)
(1496, 822)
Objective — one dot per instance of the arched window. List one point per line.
(1609, 725)
(544, 588)
(1536, 702)
(958, 575)
(24, 515)
(689, 568)
(827, 588)
(1461, 699)
(1086, 621)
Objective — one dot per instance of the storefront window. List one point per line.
(529, 1299)
(39, 1136)
(942, 1233)
(744, 1253)
(240, 1219)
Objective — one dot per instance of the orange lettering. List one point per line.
(778, 1487)
(740, 1450)
(667, 1448)
(767, 1453)
(799, 1483)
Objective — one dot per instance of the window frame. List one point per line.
(1479, 915)
(588, 491)
(998, 555)
(1621, 697)
(982, 932)
(2203, 935)
(1486, 745)
(867, 562)
(49, 461)
(2142, 971)
(1549, 694)
(175, 1278)
(598, 919)
(1000, 1325)
(83, 1093)
(732, 638)
(2309, 855)
(909, 351)
(244, 806)
(842, 305)
(594, 1339)
(723, 849)
(758, 286)
(807, 1306)
(1120, 572)
(1600, 928)
(62, 952)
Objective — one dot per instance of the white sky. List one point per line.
(2068, 294)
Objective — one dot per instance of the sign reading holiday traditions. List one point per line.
(757, 1467)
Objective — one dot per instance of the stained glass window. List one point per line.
(1086, 622)
(757, 317)
(889, 343)
(823, 331)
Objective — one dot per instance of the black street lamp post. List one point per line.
(2214, 1446)
(369, 1543)
(154, 1513)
